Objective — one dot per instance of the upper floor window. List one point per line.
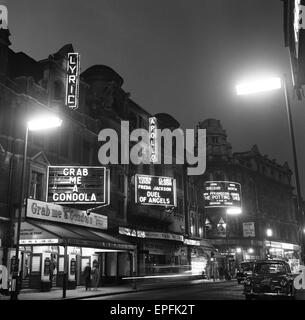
(36, 186)
(57, 90)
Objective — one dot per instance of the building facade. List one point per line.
(131, 239)
(268, 202)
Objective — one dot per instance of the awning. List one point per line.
(36, 232)
(207, 245)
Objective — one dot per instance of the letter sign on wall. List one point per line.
(155, 190)
(81, 184)
(72, 84)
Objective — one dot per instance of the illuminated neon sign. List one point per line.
(153, 147)
(222, 194)
(72, 84)
(81, 184)
(155, 190)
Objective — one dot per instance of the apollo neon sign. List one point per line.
(72, 85)
(153, 148)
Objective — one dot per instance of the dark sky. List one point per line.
(183, 57)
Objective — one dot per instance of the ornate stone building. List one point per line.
(268, 202)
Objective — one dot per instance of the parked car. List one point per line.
(245, 270)
(270, 278)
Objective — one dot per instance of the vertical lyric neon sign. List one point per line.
(153, 148)
(72, 84)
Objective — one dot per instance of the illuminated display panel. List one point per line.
(222, 194)
(155, 190)
(77, 184)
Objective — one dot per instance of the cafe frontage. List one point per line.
(57, 240)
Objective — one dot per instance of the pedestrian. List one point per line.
(95, 276)
(87, 276)
(208, 270)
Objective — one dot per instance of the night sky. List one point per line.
(183, 57)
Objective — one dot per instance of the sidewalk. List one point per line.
(80, 292)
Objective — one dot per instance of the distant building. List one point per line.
(268, 202)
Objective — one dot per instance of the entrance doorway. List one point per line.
(25, 269)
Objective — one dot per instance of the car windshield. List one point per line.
(246, 267)
(274, 268)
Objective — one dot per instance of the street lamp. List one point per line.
(36, 124)
(267, 84)
(233, 211)
(269, 234)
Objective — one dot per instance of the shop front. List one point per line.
(199, 255)
(159, 253)
(287, 251)
(50, 249)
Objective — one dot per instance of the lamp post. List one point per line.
(233, 212)
(262, 85)
(36, 124)
(269, 234)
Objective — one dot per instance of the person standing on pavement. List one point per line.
(87, 276)
(95, 276)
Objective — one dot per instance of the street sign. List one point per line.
(248, 229)
(56, 213)
(77, 184)
(155, 190)
(222, 194)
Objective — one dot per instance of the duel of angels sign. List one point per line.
(155, 190)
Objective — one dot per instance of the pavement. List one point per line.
(81, 293)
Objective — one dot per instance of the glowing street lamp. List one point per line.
(234, 211)
(272, 83)
(251, 250)
(258, 85)
(269, 232)
(36, 124)
(44, 123)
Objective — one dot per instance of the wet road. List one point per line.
(229, 290)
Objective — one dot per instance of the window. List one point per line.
(121, 183)
(120, 211)
(214, 139)
(36, 187)
(86, 152)
(58, 91)
(180, 206)
(64, 145)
